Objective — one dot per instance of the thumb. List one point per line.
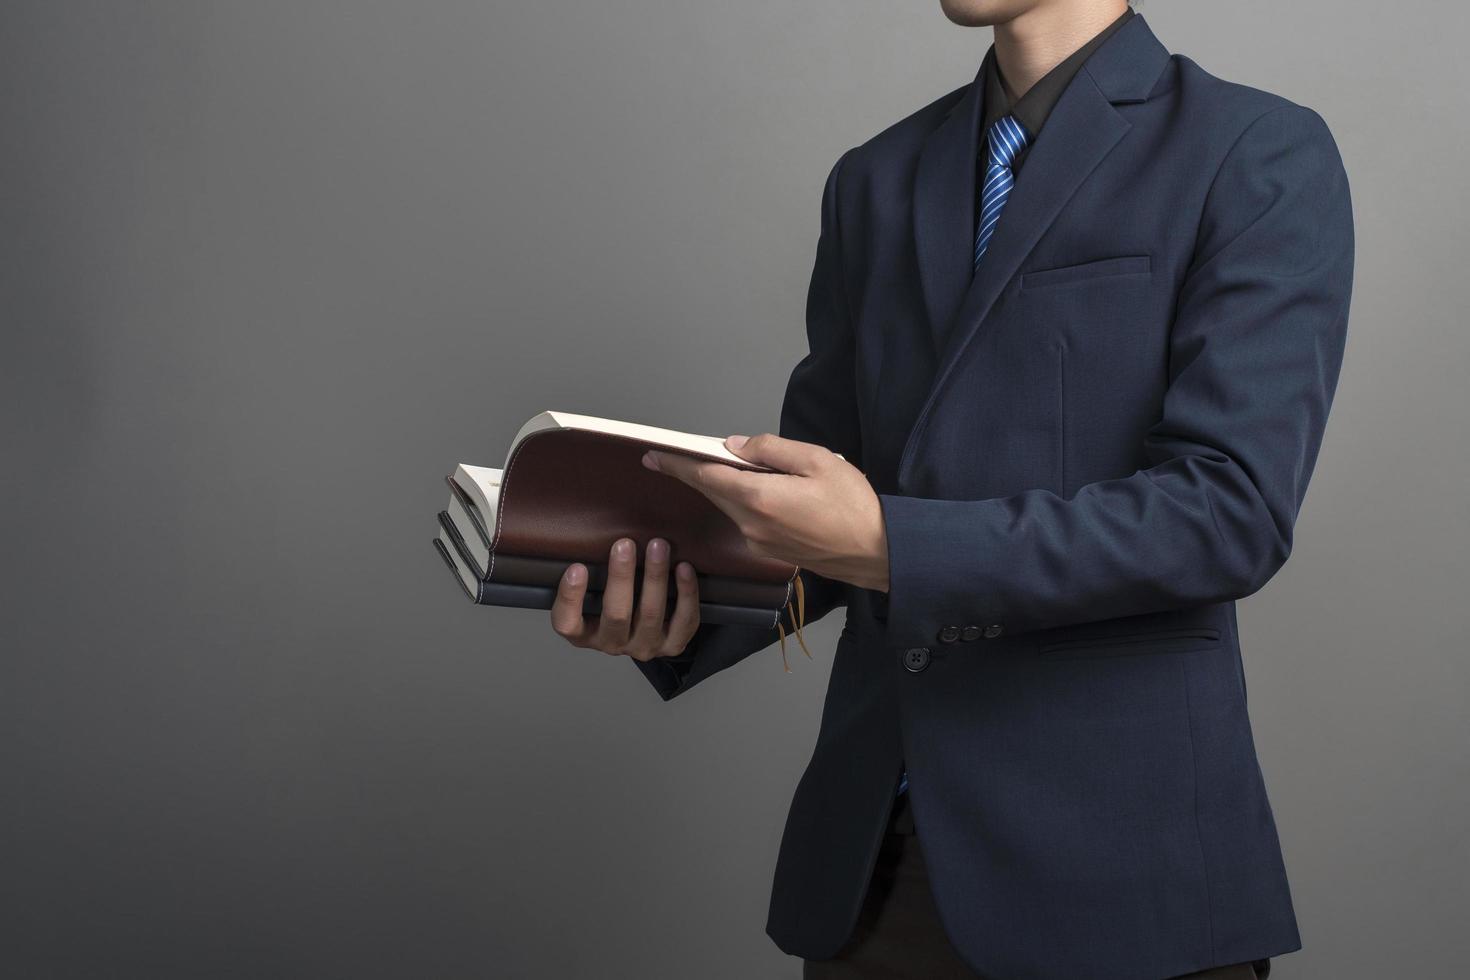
(783, 455)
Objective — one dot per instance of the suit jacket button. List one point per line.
(970, 633)
(993, 630)
(916, 659)
(949, 634)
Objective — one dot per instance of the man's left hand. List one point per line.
(819, 512)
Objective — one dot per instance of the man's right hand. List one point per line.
(620, 631)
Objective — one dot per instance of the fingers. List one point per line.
(616, 631)
(648, 628)
(785, 455)
(566, 608)
(616, 618)
(718, 481)
(685, 619)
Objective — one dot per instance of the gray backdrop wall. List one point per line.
(268, 269)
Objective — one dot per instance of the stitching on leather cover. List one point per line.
(505, 498)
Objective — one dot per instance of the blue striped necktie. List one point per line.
(1006, 137)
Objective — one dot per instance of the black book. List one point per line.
(450, 546)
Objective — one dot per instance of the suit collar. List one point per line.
(1082, 128)
(1034, 106)
(1126, 65)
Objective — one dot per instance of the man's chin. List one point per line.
(977, 13)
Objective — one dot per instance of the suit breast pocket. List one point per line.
(1117, 265)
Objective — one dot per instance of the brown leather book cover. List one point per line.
(568, 494)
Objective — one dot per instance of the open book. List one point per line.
(569, 487)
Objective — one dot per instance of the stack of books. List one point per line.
(571, 485)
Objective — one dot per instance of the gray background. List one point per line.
(267, 270)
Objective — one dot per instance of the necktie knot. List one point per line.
(1006, 137)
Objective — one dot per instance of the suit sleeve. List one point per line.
(820, 406)
(1254, 356)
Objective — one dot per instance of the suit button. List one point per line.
(970, 633)
(993, 630)
(916, 659)
(949, 634)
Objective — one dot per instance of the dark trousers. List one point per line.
(899, 934)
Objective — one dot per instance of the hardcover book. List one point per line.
(573, 484)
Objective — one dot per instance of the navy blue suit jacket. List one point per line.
(1085, 453)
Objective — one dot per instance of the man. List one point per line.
(1075, 328)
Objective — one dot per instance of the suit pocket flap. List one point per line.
(1172, 640)
(1118, 265)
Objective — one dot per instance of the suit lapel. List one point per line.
(1081, 130)
(944, 207)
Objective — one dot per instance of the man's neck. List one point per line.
(1032, 44)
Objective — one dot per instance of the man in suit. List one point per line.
(1075, 327)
